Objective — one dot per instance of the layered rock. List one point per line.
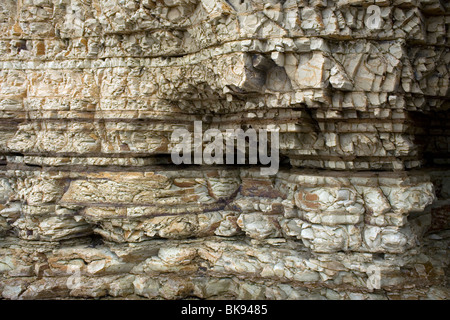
(91, 204)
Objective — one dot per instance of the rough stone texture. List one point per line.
(91, 91)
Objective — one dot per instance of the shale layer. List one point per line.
(92, 206)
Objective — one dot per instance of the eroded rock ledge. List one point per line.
(92, 206)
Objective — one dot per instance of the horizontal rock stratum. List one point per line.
(93, 206)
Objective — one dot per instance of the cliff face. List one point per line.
(92, 205)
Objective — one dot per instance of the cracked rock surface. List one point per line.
(91, 205)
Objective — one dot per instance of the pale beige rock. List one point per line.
(91, 205)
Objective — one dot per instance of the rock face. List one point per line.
(92, 206)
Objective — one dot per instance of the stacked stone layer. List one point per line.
(92, 90)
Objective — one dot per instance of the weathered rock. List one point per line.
(92, 205)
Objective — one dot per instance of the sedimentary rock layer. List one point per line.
(92, 205)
